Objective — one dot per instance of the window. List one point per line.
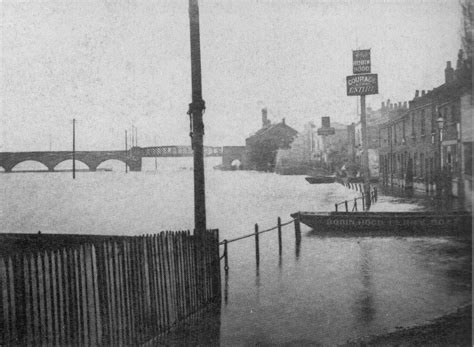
(415, 164)
(454, 115)
(468, 158)
(413, 125)
(433, 122)
(422, 165)
(403, 129)
(422, 123)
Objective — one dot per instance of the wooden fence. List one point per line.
(95, 290)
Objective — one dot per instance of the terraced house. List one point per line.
(424, 147)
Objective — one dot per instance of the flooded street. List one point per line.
(323, 290)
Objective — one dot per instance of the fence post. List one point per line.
(297, 228)
(355, 205)
(335, 205)
(279, 237)
(375, 193)
(226, 260)
(347, 207)
(257, 248)
(363, 202)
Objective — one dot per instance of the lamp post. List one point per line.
(196, 109)
(440, 122)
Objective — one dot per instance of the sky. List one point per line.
(111, 64)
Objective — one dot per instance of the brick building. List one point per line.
(414, 152)
(374, 118)
(300, 158)
(261, 148)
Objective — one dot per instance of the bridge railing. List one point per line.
(176, 151)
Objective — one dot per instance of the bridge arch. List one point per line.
(18, 165)
(114, 161)
(80, 164)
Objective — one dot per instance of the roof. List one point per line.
(271, 128)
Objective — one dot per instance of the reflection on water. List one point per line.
(342, 289)
(321, 290)
(202, 328)
(364, 308)
(297, 248)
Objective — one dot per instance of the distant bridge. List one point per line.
(132, 157)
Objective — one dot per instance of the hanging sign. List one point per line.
(326, 128)
(362, 84)
(361, 61)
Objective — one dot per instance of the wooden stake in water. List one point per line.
(279, 237)
(257, 247)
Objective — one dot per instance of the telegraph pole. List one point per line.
(156, 159)
(126, 151)
(74, 148)
(196, 109)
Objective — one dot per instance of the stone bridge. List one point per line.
(132, 157)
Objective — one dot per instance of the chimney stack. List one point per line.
(264, 118)
(283, 121)
(405, 104)
(459, 62)
(417, 93)
(448, 73)
(422, 93)
(383, 105)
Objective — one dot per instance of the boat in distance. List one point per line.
(449, 222)
(320, 179)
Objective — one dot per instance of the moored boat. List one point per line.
(449, 222)
(320, 179)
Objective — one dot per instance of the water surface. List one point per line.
(323, 290)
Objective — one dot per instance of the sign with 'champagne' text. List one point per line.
(362, 84)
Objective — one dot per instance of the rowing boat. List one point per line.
(447, 222)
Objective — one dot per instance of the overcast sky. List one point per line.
(113, 63)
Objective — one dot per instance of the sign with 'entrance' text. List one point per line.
(361, 61)
(362, 84)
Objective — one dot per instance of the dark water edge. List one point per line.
(454, 329)
(200, 329)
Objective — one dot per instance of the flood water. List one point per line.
(323, 290)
